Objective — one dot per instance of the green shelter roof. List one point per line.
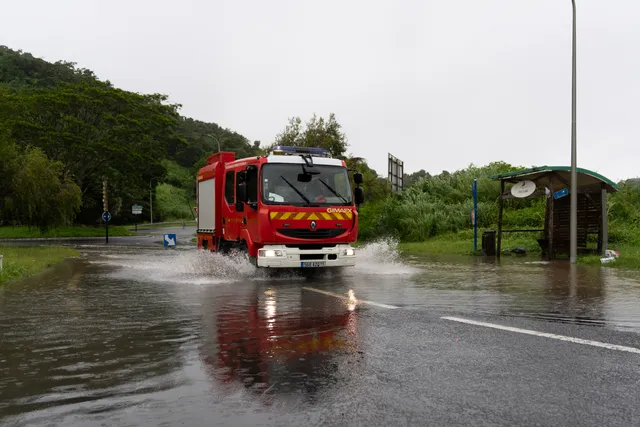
(559, 174)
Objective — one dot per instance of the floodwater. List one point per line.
(154, 336)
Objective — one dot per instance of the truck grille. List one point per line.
(305, 233)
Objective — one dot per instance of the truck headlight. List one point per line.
(271, 253)
(349, 252)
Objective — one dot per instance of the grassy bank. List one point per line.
(461, 243)
(21, 262)
(629, 257)
(79, 231)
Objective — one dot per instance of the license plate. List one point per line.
(311, 264)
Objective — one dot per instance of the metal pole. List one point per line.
(475, 215)
(573, 226)
(151, 200)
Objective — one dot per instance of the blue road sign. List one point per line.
(106, 216)
(560, 193)
(169, 239)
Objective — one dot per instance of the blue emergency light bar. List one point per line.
(296, 151)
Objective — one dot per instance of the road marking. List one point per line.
(346, 298)
(546, 335)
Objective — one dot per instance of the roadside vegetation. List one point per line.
(20, 261)
(434, 215)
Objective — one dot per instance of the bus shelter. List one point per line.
(554, 183)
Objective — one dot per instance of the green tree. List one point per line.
(9, 164)
(43, 194)
(317, 132)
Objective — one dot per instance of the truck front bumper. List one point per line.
(280, 256)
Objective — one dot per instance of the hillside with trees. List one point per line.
(87, 131)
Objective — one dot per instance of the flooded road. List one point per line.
(140, 335)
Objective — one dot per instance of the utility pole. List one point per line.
(106, 217)
(151, 199)
(573, 225)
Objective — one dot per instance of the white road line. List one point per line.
(546, 335)
(346, 298)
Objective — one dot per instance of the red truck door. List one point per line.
(230, 223)
(250, 217)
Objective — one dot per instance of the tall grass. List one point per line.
(20, 262)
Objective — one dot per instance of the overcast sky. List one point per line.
(438, 83)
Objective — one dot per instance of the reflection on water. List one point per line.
(554, 291)
(277, 339)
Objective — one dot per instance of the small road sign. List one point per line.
(136, 210)
(106, 216)
(169, 239)
(560, 193)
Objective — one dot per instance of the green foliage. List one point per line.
(172, 203)
(437, 210)
(97, 132)
(41, 195)
(317, 132)
(441, 204)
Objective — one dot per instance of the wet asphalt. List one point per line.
(135, 334)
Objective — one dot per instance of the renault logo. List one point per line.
(313, 225)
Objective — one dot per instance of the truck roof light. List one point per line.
(284, 150)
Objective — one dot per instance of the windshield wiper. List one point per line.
(333, 191)
(296, 190)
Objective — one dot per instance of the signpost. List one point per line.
(106, 217)
(136, 210)
(170, 240)
(396, 173)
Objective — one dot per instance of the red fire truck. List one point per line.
(292, 208)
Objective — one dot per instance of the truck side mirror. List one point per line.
(359, 195)
(358, 178)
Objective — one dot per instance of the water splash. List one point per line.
(200, 267)
(381, 257)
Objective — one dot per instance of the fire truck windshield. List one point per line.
(297, 184)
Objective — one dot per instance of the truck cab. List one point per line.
(292, 208)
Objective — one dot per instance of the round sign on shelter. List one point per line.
(523, 189)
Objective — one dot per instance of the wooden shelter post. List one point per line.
(551, 213)
(499, 250)
(604, 225)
